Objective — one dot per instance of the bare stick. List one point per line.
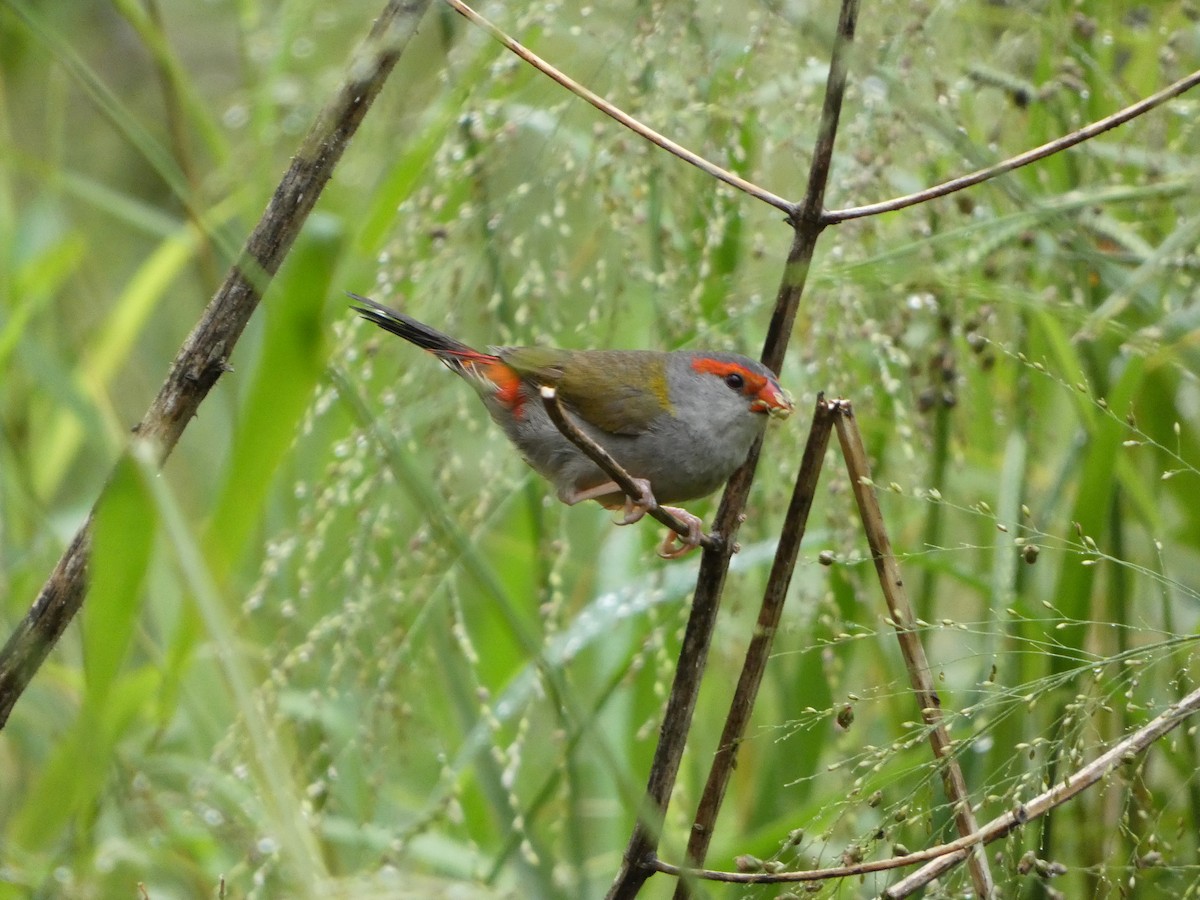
(613, 112)
(943, 856)
(612, 468)
(202, 358)
(941, 851)
(1023, 159)
(1069, 787)
(904, 622)
(759, 651)
(637, 864)
(947, 855)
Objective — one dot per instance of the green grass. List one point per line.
(346, 645)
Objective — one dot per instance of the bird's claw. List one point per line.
(636, 507)
(675, 545)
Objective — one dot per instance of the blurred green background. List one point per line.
(313, 658)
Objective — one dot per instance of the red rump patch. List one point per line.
(720, 367)
(508, 385)
(505, 382)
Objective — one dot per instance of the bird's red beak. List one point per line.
(774, 401)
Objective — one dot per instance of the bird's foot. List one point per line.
(675, 545)
(637, 507)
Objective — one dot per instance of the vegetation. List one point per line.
(314, 657)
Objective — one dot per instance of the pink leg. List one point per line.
(676, 545)
(673, 545)
(635, 508)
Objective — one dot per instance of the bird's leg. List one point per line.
(635, 507)
(675, 545)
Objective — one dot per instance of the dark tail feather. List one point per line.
(441, 345)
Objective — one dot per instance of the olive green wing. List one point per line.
(618, 391)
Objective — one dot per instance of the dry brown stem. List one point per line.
(759, 651)
(945, 856)
(638, 862)
(905, 624)
(203, 357)
(1057, 145)
(615, 113)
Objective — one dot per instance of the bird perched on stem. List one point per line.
(679, 423)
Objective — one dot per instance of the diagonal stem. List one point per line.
(203, 357)
(904, 622)
(638, 861)
(618, 115)
(1057, 145)
(759, 651)
(942, 857)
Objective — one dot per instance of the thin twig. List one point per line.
(613, 112)
(755, 665)
(612, 468)
(637, 863)
(947, 855)
(1074, 784)
(805, 216)
(1057, 145)
(913, 652)
(203, 356)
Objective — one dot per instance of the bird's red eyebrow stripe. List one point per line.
(721, 368)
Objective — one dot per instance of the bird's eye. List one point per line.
(735, 381)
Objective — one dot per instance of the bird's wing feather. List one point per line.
(618, 391)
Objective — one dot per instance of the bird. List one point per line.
(679, 422)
